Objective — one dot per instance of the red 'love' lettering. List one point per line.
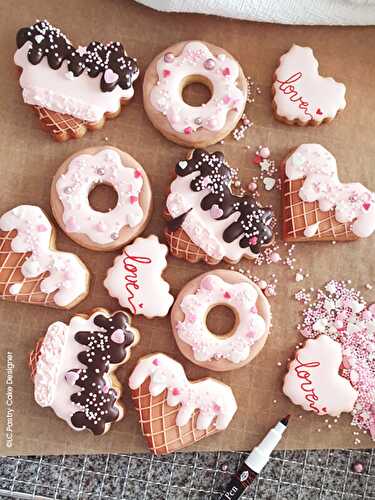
(304, 374)
(290, 90)
(131, 279)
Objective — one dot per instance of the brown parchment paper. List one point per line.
(29, 159)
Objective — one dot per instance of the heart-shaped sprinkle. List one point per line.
(105, 388)
(140, 306)
(217, 408)
(319, 111)
(156, 362)
(269, 183)
(118, 336)
(188, 130)
(183, 164)
(216, 212)
(227, 295)
(41, 228)
(226, 71)
(137, 174)
(133, 199)
(166, 73)
(175, 391)
(226, 99)
(110, 76)
(39, 38)
(71, 377)
(253, 240)
(366, 206)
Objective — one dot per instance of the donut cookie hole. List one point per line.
(103, 197)
(196, 90)
(222, 321)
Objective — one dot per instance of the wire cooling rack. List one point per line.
(322, 474)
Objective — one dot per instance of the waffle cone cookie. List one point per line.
(31, 269)
(237, 347)
(206, 220)
(72, 89)
(317, 206)
(73, 369)
(173, 412)
(301, 96)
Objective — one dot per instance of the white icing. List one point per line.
(67, 275)
(250, 327)
(352, 202)
(213, 399)
(135, 278)
(85, 172)
(166, 94)
(301, 93)
(313, 379)
(203, 230)
(53, 89)
(58, 356)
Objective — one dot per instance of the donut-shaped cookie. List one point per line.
(79, 175)
(252, 320)
(181, 65)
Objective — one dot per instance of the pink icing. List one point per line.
(352, 202)
(213, 399)
(222, 72)
(301, 93)
(214, 290)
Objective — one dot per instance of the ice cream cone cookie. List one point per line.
(181, 65)
(300, 95)
(317, 206)
(72, 89)
(252, 319)
(31, 269)
(135, 278)
(73, 369)
(79, 175)
(173, 412)
(314, 382)
(206, 220)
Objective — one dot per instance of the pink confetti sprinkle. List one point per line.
(176, 391)
(366, 206)
(133, 199)
(253, 240)
(226, 99)
(166, 73)
(188, 130)
(41, 228)
(217, 408)
(227, 295)
(192, 318)
(156, 362)
(137, 174)
(226, 71)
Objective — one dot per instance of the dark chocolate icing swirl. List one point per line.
(48, 41)
(96, 398)
(253, 226)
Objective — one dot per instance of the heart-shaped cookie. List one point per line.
(77, 88)
(301, 96)
(173, 412)
(31, 270)
(317, 206)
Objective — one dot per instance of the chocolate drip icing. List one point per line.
(106, 346)
(48, 41)
(252, 228)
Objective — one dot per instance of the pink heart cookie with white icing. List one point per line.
(314, 381)
(301, 95)
(135, 278)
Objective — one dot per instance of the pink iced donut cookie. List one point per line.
(79, 175)
(243, 342)
(176, 68)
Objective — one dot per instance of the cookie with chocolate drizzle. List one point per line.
(73, 369)
(72, 88)
(207, 221)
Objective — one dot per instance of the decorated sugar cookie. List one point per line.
(177, 67)
(79, 175)
(301, 96)
(73, 369)
(31, 269)
(72, 89)
(251, 327)
(317, 205)
(313, 380)
(173, 412)
(207, 221)
(135, 278)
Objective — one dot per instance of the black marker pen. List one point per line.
(255, 462)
